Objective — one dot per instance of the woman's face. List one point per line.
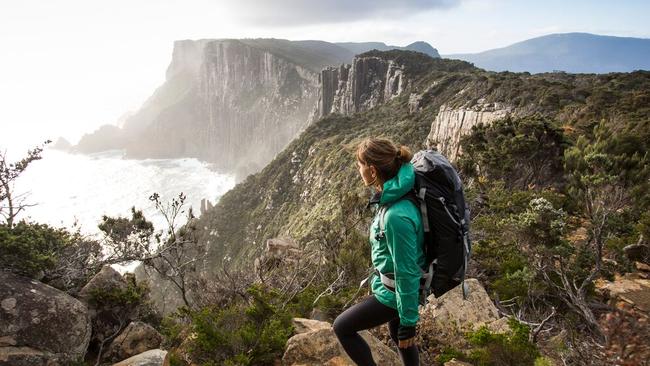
(368, 173)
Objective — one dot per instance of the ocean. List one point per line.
(74, 189)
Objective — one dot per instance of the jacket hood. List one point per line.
(396, 187)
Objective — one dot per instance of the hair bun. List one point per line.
(404, 154)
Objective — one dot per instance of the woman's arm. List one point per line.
(402, 241)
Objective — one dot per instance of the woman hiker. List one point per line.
(397, 251)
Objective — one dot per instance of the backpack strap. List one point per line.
(423, 209)
(428, 276)
(418, 200)
(465, 260)
(388, 279)
(382, 222)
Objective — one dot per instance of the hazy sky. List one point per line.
(69, 66)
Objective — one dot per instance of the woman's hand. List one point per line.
(406, 336)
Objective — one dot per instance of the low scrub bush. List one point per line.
(496, 349)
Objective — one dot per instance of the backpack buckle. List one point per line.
(380, 235)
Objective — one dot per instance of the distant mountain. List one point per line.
(62, 144)
(361, 47)
(313, 55)
(106, 137)
(569, 52)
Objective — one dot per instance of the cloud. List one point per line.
(303, 12)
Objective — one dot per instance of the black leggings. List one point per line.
(367, 314)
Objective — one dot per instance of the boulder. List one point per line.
(318, 314)
(455, 362)
(302, 325)
(415, 102)
(446, 320)
(639, 252)
(26, 356)
(630, 288)
(317, 345)
(138, 337)
(39, 324)
(280, 247)
(642, 267)
(449, 317)
(181, 353)
(452, 123)
(105, 280)
(154, 357)
(499, 326)
(107, 317)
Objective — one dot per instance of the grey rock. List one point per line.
(455, 362)
(642, 267)
(281, 246)
(40, 324)
(638, 252)
(26, 356)
(107, 279)
(302, 325)
(136, 338)
(452, 123)
(449, 317)
(368, 82)
(630, 288)
(321, 347)
(154, 357)
(318, 314)
(415, 102)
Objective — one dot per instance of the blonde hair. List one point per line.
(384, 155)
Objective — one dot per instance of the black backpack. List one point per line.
(445, 217)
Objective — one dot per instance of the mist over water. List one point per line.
(68, 188)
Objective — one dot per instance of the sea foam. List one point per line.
(67, 188)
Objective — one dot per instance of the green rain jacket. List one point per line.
(400, 250)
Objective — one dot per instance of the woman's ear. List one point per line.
(373, 171)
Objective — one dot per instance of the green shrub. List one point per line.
(514, 284)
(524, 152)
(117, 307)
(542, 223)
(30, 249)
(543, 361)
(171, 329)
(175, 359)
(448, 353)
(495, 349)
(133, 295)
(333, 305)
(303, 303)
(250, 333)
(643, 226)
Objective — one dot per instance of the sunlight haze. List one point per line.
(67, 67)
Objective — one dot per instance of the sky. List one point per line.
(70, 66)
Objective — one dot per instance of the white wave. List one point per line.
(71, 187)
